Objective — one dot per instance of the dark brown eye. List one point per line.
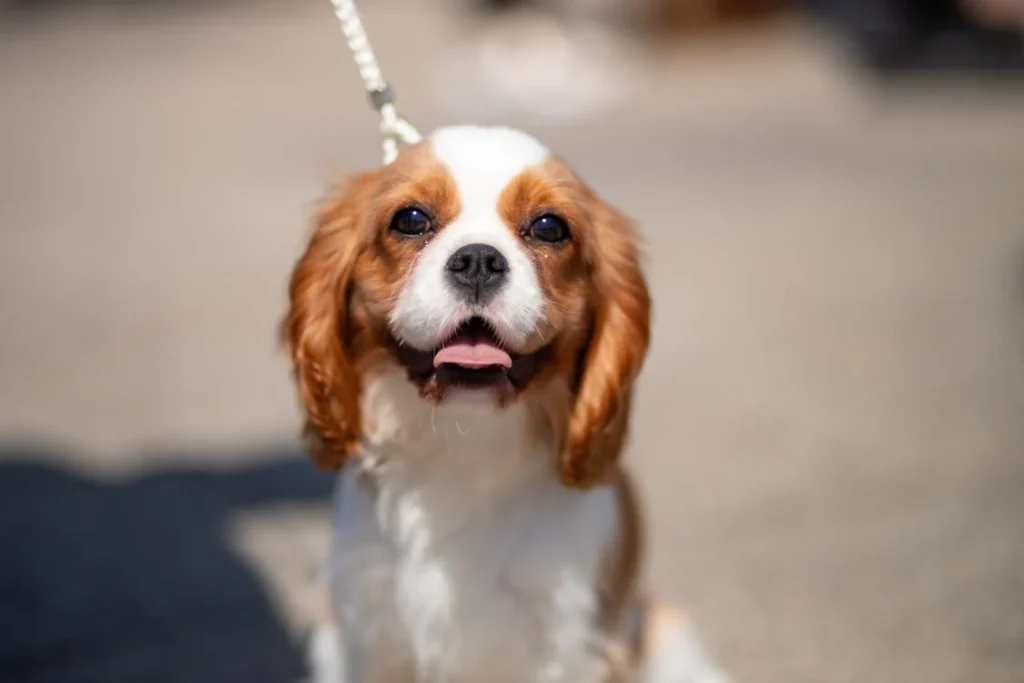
(549, 228)
(410, 222)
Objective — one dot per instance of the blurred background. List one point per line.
(830, 430)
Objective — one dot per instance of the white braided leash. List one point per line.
(393, 127)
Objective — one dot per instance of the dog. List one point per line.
(465, 327)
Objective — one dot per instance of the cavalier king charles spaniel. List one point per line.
(465, 327)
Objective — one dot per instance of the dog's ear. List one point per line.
(316, 328)
(614, 354)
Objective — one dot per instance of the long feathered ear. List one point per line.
(614, 355)
(316, 333)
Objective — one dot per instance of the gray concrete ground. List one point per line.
(830, 432)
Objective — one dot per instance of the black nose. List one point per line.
(477, 271)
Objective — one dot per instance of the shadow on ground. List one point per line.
(136, 580)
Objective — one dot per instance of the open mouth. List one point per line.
(474, 346)
(472, 357)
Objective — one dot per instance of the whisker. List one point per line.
(448, 440)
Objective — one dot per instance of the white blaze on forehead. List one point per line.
(481, 162)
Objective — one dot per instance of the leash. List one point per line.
(394, 129)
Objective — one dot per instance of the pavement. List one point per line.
(829, 434)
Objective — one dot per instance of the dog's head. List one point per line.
(487, 269)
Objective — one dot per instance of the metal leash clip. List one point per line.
(394, 129)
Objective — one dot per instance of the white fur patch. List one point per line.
(325, 655)
(484, 159)
(678, 656)
(470, 561)
(482, 162)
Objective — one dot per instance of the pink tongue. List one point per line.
(470, 355)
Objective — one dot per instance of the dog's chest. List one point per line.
(463, 578)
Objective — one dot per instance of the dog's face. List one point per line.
(482, 265)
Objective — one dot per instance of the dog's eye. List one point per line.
(549, 228)
(411, 222)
